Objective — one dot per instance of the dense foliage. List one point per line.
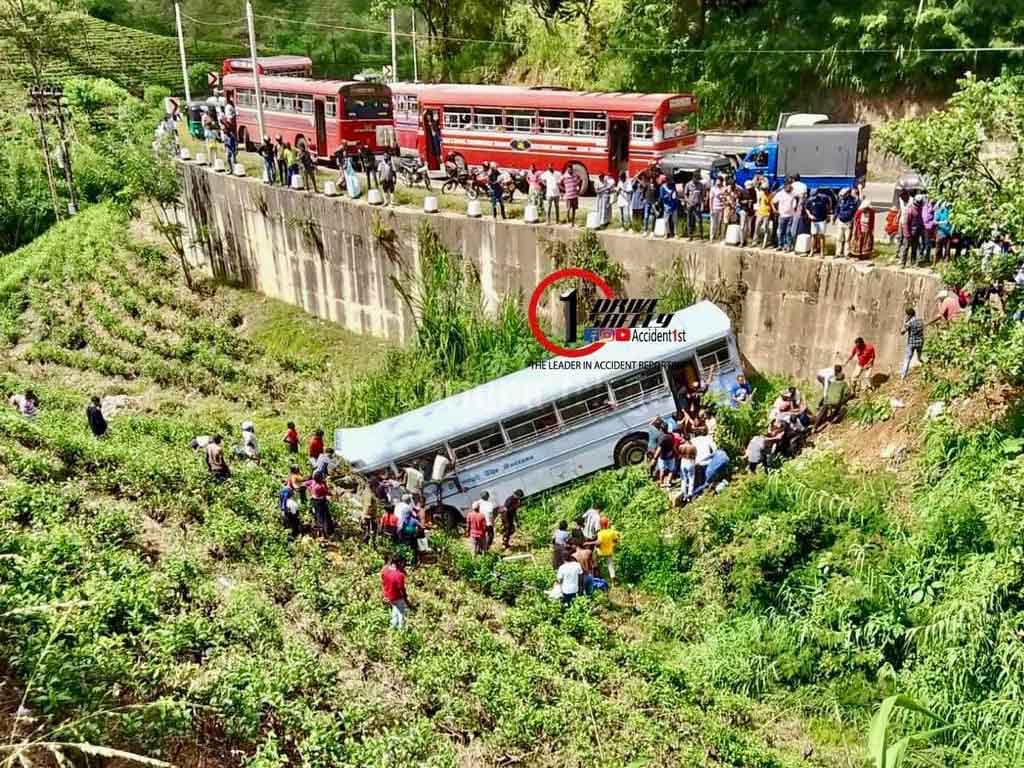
(748, 60)
(972, 155)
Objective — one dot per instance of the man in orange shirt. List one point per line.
(392, 583)
(476, 527)
(865, 354)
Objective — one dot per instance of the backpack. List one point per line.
(411, 527)
(892, 222)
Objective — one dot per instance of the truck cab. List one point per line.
(762, 159)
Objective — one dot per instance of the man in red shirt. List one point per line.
(291, 438)
(865, 354)
(392, 583)
(316, 444)
(476, 527)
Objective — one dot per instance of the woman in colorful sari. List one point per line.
(862, 238)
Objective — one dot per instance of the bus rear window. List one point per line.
(677, 123)
(714, 356)
(366, 102)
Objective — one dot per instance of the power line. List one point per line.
(213, 23)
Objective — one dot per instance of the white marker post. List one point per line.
(415, 67)
(255, 71)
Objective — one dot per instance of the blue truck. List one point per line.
(827, 156)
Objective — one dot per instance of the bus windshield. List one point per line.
(366, 101)
(677, 123)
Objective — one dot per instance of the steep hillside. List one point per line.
(148, 609)
(130, 57)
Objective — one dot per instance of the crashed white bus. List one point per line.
(546, 425)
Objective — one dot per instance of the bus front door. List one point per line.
(618, 147)
(321, 128)
(680, 375)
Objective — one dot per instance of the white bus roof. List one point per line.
(377, 445)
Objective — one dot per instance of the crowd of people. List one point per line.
(583, 557)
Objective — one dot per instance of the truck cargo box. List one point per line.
(839, 150)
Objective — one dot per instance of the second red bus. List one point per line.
(517, 126)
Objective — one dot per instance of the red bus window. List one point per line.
(521, 120)
(458, 118)
(643, 127)
(554, 122)
(589, 123)
(485, 119)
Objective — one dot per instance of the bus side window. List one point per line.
(531, 424)
(467, 448)
(637, 386)
(584, 406)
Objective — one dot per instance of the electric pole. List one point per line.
(255, 69)
(415, 67)
(394, 51)
(184, 63)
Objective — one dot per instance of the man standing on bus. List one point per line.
(552, 189)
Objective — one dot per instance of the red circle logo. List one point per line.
(550, 346)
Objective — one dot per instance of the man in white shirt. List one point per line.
(552, 181)
(403, 508)
(568, 577)
(825, 377)
(705, 446)
(485, 507)
(591, 523)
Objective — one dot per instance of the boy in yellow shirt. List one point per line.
(607, 540)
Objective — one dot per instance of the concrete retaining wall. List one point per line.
(337, 259)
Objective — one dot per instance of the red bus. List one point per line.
(282, 66)
(334, 117)
(516, 126)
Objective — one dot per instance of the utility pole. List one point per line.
(36, 110)
(184, 63)
(255, 69)
(394, 51)
(64, 150)
(415, 68)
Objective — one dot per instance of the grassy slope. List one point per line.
(130, 57)
(155, 585)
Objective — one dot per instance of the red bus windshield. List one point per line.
(366, 101)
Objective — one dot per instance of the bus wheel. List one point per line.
(451, 518)
(581, 171)
(243, 139)
(631, 450)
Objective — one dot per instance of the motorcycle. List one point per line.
(413, 171)
(473, 181)
(512, 181)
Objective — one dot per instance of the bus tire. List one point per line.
(581, 171)
(243, 139)
(451, 518)
(631, 450)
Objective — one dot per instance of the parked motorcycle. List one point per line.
(413, 171)
(472, 181)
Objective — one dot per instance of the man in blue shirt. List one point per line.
(670, 203)
(741, 392)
